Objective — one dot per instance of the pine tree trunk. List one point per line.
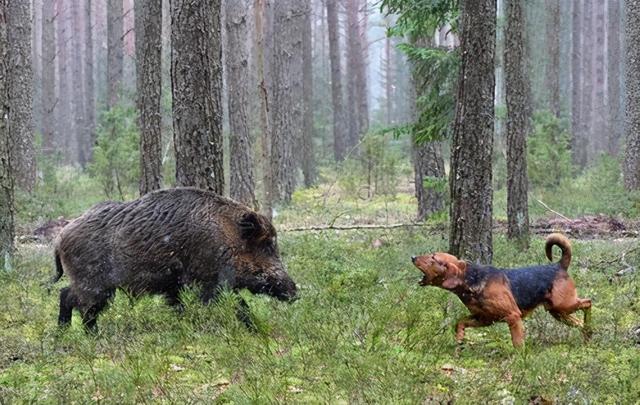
(238, 78)
(353, 120)
(576, 78)
(36, 59)
(361, 71)
(63, 97)
(553, 45)
(89, 83)
(582, 143)
(148, 27)
(598, 140)
(287, 109)
(632, 89)
(613, 76)
(20, 87)
(196, 72)
(48, 75)
(80, 134)
(472, 144)
(340, 129)
(308, 159)
(516, 89)
(263, 31)
(7, 227)
(115, 51)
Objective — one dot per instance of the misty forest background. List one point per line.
(369, 131)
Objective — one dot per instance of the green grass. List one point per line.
(362, 331)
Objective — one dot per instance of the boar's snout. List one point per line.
(282, 287)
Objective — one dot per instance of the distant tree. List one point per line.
(264, 52)
(576, 77)
(79, 104)
(599, 138)
(241, 179)
(356, 79)
(20, 87)
(613, 76)
(472, 144)
(339, 119)
(7, 230)
(553, 46)
(89, 83)
(582, 143)
(632, 89)
(148, 26)
(115, 50)
(516, 88)
(196, 78)
(63, 94)
(286, 110)
(308, 159)
(48, 75)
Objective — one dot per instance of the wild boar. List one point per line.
(162, 242)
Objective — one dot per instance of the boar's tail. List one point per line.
(59, 270)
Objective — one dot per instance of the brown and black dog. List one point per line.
(508, 295)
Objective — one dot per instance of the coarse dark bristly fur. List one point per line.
(509, 295)
(162, 242)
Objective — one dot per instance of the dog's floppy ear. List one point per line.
(451, 283)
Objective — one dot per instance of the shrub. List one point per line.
(549, 155)
(116, 155)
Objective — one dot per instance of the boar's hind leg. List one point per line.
(68, 301)
(90, 312)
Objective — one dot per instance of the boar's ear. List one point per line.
(251, 227)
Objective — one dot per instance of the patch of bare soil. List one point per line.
(586, 227)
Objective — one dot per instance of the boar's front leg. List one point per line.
(91, 311)
(243, 313)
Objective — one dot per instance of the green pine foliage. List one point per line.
(116, 155)
(548, 151)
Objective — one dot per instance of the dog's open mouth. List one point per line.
(425, 281)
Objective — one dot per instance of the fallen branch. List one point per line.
(353, 227)
(555, 212)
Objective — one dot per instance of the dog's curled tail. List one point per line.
(563, 243)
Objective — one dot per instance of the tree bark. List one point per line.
(576, 78)
(339, 119)
(7, 226)
(357, 97)
(20, 87)
(472, 144)
(115, 51)
(148, 27)
(48, 75)
(613, 76)
(241, 177)
(63, 97)
(78, 102)
(632, 89)
(308, 159)
(196, 72)
(287, 111)
(516, 89)
(89, 83)
(582, 143)
(553, 45)
(263, 34)
(598, 139)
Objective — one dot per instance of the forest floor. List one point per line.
(362, 330)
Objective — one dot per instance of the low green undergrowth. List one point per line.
(362, 331)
